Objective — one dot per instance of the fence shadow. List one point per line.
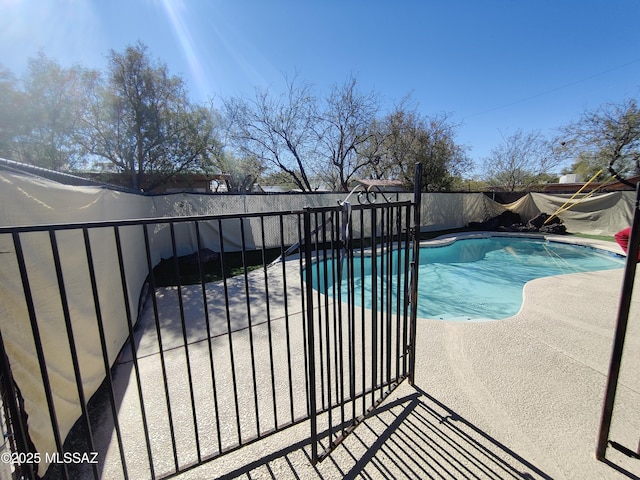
(414, 436)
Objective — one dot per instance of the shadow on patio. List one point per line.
(413, 436)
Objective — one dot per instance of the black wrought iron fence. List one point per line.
(358, 321)
(150, 385)
(223, 347)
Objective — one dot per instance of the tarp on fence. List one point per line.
(603, 214)
(447, 211)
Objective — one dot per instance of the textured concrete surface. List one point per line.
(516, 398)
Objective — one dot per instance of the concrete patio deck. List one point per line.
(516, 398)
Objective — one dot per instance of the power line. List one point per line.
(555, 89)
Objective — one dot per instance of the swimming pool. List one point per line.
(480, 278)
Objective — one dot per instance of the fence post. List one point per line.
(621, 330)
(415, 263)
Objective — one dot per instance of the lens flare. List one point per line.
(174, 10)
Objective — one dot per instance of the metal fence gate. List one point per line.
(224, 347)
(359, 321)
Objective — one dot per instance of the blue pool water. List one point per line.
(478, 278)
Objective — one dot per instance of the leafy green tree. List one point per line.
(142, 121)
(242, 173)
(279, 179)
(46, 112)
(468, 185)
(587, 166)
(607, 135)
(12, 117)
(405, 138)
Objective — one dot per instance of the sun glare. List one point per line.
(67, 30)
(174, 10)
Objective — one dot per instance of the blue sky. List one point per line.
(494, 66)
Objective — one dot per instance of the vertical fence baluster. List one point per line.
(103, 347)
(306, 274)
(374, 304)
(71, 339)
(389, 289)
(405, 312)
(154, 302)
(285, 298)
(338, 252)
(35, 330)
(132, 344)
(417, 202)
(388, 298)
(398, 229)
(245, 269)
(351, 319)
(207, 320)
(72, 342)
(229, 332)
(337, 305)
(313, 417)
(327, 325)
(269, 326)
(402, 265)
(363, 334)
(185, 340)
(335, 294)
(382, 304)
(322, 283)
